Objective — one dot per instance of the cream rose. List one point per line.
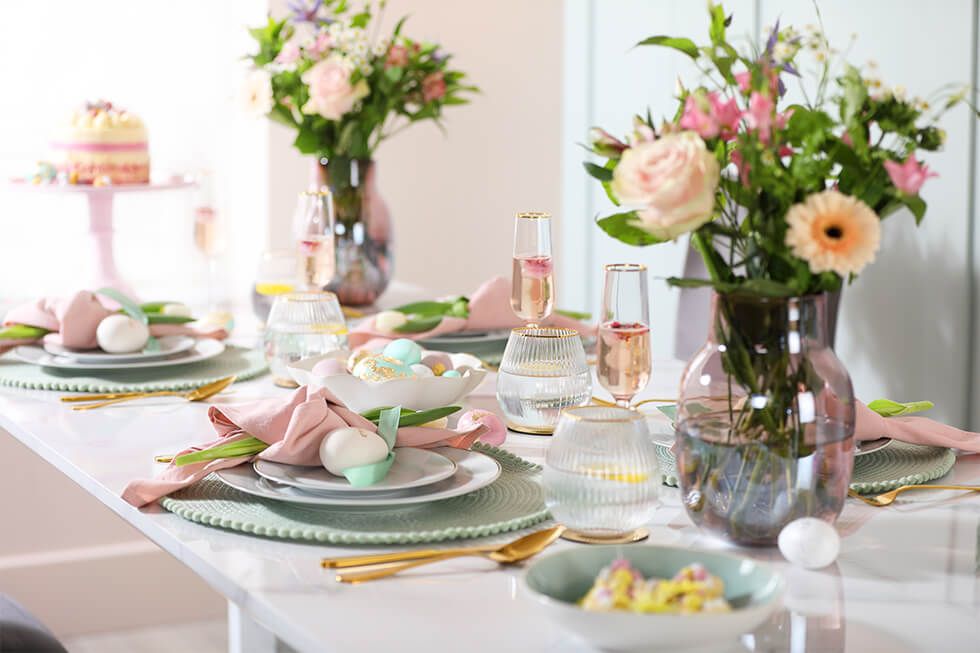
(331, 92)
(674, 178)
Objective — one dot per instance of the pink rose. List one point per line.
(675, 177)
(331, 92)
(397, 56)
(433, 87)
(496, 433)
(908, 177)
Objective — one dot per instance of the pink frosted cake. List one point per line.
(103, 143)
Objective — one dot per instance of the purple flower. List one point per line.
(773, 37)
(304, 11)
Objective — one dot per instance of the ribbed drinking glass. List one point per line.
(302, 325)
(542, 372)
(601, 476)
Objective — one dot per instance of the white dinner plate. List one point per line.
(474, 470)
(202, 350)
(412, 468)
(169, 345)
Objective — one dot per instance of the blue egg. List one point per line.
(451, 373)
(404, 350)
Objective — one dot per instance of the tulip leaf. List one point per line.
(889, 408)
(22, 332)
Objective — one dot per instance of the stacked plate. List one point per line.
(417, 476)
(173, 350)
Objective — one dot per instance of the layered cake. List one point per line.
(103, 144)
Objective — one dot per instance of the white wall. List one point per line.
(905, 325)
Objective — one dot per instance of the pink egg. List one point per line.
(438, 362)
(497, 431)
(329, 367)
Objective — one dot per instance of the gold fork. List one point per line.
(888, 498)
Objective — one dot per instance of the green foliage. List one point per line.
(684, 45)
(889, 408)
(622, 226)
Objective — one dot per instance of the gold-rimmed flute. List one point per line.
(623, 361)
(533, 282)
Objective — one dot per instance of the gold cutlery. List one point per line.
(513, 552)
(888, 498)
(603, 402)
(197, 394)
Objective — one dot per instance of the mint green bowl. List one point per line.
(556, 582)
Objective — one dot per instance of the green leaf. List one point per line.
(247, 446)
(620, 226)
(426, 416)
(889, 408)
(718, 23)
(460, 308)
(395, 73)
(916, 205)
(154, 307)
(679, 43)
(22, 332)
(306, 141)
(159, 318)
(420, 324)
(598, 172)
(425, 308)
(361, 19)
(766, 287)
(575, 315)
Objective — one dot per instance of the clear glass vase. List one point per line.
(765, 423)
(362, 230)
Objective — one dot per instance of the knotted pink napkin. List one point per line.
(916, 430)
(489, 310)
(75, 319)
(293, 428)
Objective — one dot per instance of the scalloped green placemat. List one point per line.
(898, 464)
(512, 502)
(242, 362)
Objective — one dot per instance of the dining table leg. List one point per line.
(245, 635)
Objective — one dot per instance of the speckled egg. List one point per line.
(403, 350)
(329, 367)
(378, 369)
(422, 371)
(438, 362)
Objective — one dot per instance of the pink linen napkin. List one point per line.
(75, 319)
(489, 310)
(294, 428)
(915, 430)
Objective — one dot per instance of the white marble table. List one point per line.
(906, 580)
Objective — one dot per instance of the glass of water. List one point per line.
(601, 476)
(301, 325)
(543, 371)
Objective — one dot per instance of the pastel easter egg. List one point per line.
(388, 321)
(329, 367)
(496, 430)
(438, 362)
(378, 369)
(809, 542)
(404, 350)
(356, 357)
(451, 373)
(351, 447)
(121, 334)
(422, 371)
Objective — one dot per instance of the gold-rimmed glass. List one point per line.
(532, 295)
(601, 477)
(543, 371)
(623, 361)
(301, 325)
(313, 228)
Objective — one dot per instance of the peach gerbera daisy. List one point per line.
(833, 232)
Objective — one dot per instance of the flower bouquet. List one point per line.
(328, 73)
(783, 201)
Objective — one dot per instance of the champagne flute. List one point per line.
(314, 231)
(533, 283)
(623, 365)
(209, 236)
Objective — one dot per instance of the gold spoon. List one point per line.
(888, 498)
(197, 394)
(516, 551)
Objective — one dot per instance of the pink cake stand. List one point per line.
(105, 272)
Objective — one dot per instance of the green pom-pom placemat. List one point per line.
(512, 502)
(898, 464)
(243, 363)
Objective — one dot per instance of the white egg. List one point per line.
(121, 334)
(351, 447)
(422, 371)
(388, 321)
(178, 310)
(809, 542)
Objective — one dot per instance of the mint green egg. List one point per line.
(404, 350)
(450, 373)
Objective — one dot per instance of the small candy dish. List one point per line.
(554, 584)
(415, 392)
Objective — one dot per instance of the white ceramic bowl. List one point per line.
(554, 583)
(417, 393)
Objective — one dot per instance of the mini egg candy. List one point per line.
(809, 542)
(404, 350)
(356, 357)
(451, 373)
(422, 371)
(378, 369)
(121, 334)
(329, 367)
(388, 321)
(438, 362)
(351, 447)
